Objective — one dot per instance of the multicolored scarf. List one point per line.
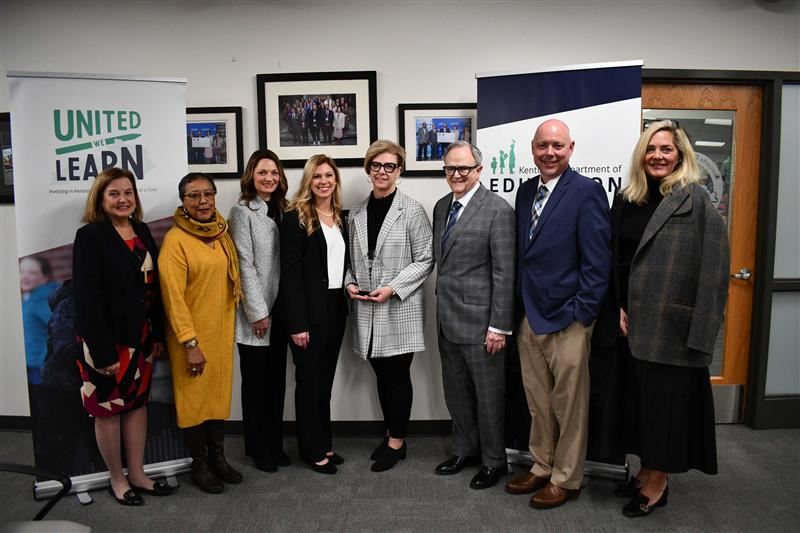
(215, 229)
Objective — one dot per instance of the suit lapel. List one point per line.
(360, 221)
(472, 207)
(552, 202)
(439, 223)
(122, 248)
(672, 203)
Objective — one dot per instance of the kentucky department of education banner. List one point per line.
(601, 104)
(67, 128)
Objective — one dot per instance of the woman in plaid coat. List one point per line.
(391, 253)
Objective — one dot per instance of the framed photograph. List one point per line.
(214, 141)
(333, 113)
(427, 129)
(7, 181)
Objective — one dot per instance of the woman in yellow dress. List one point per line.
(199, 273)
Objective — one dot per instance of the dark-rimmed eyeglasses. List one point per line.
(374, 166)
(197, 196)
(462, 171)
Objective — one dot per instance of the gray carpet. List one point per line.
(757, 489)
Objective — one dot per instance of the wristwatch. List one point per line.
(191, 343)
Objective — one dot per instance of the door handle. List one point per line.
(743, 274)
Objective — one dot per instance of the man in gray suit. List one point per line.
(473, 242)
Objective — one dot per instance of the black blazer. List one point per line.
(110, 291)
(304, 273)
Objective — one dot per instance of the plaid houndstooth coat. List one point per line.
(403, 261)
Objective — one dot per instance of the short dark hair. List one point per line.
(194, 176)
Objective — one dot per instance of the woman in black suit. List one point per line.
(119, 319)
(313, 263)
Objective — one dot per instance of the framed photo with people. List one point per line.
(214, 141)
(303, 114)
(7, 176)
(426, 130)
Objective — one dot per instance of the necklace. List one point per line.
(321, 212)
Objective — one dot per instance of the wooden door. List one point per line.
(743, 104)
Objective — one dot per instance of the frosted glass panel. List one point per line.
(787, 238)
(783, 365)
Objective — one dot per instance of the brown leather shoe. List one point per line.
(526, 483)
(552, 496)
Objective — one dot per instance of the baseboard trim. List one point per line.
(342, 428)
(16, 422)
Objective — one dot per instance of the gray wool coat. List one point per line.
(679, 281)
(257, 242)
(403, 261)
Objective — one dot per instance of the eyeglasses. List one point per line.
(387, 167)
(462, 171)
(197, 196)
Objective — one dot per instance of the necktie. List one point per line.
(451, 221)
(538, 202)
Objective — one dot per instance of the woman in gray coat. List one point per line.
(666, 303)
(260, 329)
(391, 255)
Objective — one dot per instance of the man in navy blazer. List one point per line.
(563, 267)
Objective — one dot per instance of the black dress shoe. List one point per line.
(335, 459)
(488, 476)
(629, 489)
(265, 463)
(638, 505)
(129, 498)
(389, 458)
(160, 488)
(456, 463)
(327, 468)
(379, 450)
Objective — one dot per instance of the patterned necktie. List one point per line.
(451, 221)
(538, 202)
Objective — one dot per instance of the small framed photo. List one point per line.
(214, 141)
(7, 176)
(426, 130)
(334, 113)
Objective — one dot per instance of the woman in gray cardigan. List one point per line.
(391, 255)
(260, 327)
(666, 303)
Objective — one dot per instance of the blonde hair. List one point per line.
(686, 171)
(93, 212)
(303, 201)
(382, 146)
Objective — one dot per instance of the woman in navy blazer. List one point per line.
(119, 318)
(313, 263)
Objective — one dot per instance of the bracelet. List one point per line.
(191, 343)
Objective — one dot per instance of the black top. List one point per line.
(376, 214)
(634, 221)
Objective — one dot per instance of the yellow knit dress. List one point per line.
(198, 300)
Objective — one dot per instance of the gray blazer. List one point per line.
(403, 261)
(475, 272)
(679, 281)
(258, 244)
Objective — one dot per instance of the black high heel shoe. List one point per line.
(160, 488)
(379, 450)
(629, 489)
(327, 468)
(389, 458)
(638, 505)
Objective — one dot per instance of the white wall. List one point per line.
(423, 51)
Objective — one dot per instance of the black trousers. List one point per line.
(263, 371)
(315, 368)
(395, 391)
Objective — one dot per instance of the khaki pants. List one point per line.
(555, 374)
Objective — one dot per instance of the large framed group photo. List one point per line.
(426, 130)
(302, 114)
(7, 172)
(214, 141)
